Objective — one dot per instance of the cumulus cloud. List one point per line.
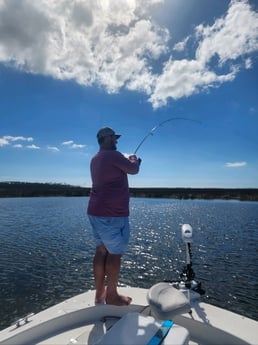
(115, 44)
(228, 39)
(235, 164)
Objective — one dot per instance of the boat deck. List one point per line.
(78, 321)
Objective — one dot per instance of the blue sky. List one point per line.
(70, 68)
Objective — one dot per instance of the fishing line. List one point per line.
(151, 132)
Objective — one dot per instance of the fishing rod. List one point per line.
(151, 132)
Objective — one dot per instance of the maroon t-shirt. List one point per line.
(109, 195)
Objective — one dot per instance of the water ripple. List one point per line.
(47, 248)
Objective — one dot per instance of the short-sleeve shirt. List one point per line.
(109, 195)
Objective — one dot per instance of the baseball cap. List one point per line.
(106, 131)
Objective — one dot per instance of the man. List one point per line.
(108, 212)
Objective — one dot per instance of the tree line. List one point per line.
(30, 189)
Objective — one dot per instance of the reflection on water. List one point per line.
(46, 250)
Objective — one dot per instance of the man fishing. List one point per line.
(108, 212)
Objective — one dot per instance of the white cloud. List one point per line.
(77, 146)
(3, 142)
(53, 148)
(180, 46)
(226, 40)
(72, 145)
(235, 164)
(70, 142)
(8, 139)
(182, 78)
(115, 44)
(11, 138)
(229, 37)
(248, 63)
(33, 147)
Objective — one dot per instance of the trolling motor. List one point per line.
(171, 298)
(187, 275)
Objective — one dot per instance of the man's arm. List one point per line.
(129, 165)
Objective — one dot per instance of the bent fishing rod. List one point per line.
(151, 132)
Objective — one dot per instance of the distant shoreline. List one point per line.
(30, 189)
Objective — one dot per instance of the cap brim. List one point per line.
(118, 136)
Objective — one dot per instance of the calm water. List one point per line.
(46, 251)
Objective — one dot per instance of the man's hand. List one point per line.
(133, 158)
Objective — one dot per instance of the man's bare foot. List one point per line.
(100, 297)
(118, 300)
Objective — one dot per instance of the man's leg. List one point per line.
(99, 263)
(113, 264)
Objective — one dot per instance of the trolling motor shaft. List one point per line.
(186, 282)
(187, 275)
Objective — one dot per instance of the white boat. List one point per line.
(167, 313)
